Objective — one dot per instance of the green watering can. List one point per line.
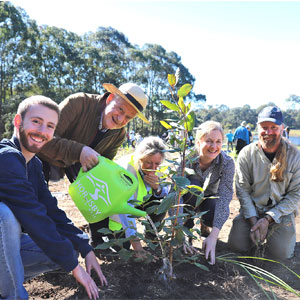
(104, 191)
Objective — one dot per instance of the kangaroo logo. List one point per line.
(101, 187)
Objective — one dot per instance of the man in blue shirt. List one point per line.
(35, 235)
(241, 136)
(229, 137)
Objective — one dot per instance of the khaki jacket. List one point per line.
(256, 191)
(77, 127)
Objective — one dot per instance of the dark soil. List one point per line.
(137, 280)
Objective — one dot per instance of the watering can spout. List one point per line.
(127, 209)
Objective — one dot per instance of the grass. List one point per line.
(295, 132)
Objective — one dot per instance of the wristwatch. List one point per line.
(269, 218)
(158, 190)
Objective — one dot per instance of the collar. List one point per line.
(15, 141)
(100, 124)
(213, 163)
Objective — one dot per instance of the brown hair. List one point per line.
(34, 100)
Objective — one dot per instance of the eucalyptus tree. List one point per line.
(149, 66)
(105, 55)
(13, 49)
(56, 64)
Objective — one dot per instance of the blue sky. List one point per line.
(240, 52)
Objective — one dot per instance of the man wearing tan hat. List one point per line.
(90, 125)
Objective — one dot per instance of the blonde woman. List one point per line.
(216, 166)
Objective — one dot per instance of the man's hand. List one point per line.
(91, 263)
(259, 230)
(86, 280)
(88, 158)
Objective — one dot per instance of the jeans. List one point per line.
(20, 258)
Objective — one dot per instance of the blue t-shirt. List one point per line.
(229, 136)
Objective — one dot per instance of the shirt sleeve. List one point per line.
(62, 149)
(243, 183)
(225, 193)
(20, 196)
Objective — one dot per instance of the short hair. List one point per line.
(35, 100)
(207, 127)
(149, 146)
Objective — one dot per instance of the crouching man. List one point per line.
(35, 235)
(268, 188)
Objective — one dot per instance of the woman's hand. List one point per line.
(152, 180)
(209, 246)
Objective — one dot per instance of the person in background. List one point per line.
(250, 133)
(92, 125)
(267, 186)
(214, 165)
(241, 137)
(35, 235)
(287, 131)
(229, 137)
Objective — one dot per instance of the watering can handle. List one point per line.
(81, 172)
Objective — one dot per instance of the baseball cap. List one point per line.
(271, 114)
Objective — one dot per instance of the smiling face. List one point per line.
(151, 162)
(269, 135)
(117, 112)
(36, 129)
(209, 146)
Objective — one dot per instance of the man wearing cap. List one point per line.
(241, 136)
(90, 125)
(267, 186)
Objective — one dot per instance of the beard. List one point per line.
(269, 141)
(24, 140)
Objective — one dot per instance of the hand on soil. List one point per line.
(86, 280)
(91, 263)
(189, 249)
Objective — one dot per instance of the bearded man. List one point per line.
(268, 188)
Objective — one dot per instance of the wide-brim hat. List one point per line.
(132, 94)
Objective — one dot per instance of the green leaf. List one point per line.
(184, 90)
(165, 124)
(170, 105)
(196, 187)
(124, 254)
(103, 246)
(200, 199)
(172, 80)
(201, 266)
(104, 231)
(181, 181)
(179, 236)
(182, 105)
(166, 203)
(190, 121)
